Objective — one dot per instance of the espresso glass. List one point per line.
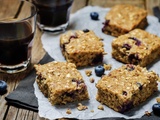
(53, 15)
(17, 29)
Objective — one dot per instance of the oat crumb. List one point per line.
(88, 72)
(100, 107)
(147, 113)
(158, 99)
(107, 66)
(68, 111)
(92, 111)
(81, 107)
(91, 80)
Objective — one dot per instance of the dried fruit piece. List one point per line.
(138, 42)
(127, 46)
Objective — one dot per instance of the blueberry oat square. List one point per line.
(137, 47)
(121, 19)
(83, 48)
(61, 82)
(126, 87)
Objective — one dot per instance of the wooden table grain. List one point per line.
(12, 113)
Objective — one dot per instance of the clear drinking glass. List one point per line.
(53, 15)
(17, 29)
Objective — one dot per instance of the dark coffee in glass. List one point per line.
(16, 36)
(53, 15)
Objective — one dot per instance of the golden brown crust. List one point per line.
(61, 82)
(136, 47)
(126, 87)
(82, 48)
(123, 18)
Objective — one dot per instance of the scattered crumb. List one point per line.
(107, 66)
(68, 111)
(147, 113)
(159, 79)
(105, 53)
(81, 107)
(88, 72)
(158, 99)
(92, 111)
(100, 107)
(91, 80)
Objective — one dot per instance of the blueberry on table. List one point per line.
(85, 30)
(99, 70)
(156, 109)
(94, 15)
(3, 87)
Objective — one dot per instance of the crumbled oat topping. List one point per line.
(147, 113)
(61, 82)
(81, 107)
(88, 72)
(82, 49)
(91, 80)
(92, 111)
(129, 84)
(158, 99)
(107, 66)
(100, 107)
(68, 111)
(136, 47)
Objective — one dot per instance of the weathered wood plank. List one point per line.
(78, 4)
(6, 6)
(12, 113)
(150, 4)
(110, 3)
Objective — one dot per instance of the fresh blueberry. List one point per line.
(3, 87)
(85, 30)
(156, 109)
(94, 16)
(99, 70)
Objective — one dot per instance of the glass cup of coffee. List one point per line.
(17, 29)
(53, 15)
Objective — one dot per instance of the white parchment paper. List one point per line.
(79, 21)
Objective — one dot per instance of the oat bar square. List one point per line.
(137, 47)
(61, 82)
(83, 48)
(121, 19)
(126, 87)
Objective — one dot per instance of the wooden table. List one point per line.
(12, 113)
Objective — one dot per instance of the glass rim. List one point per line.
(25, 18)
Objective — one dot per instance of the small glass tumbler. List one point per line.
(53, 15)
(17, 29)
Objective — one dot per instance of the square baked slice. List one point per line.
(83, 48)
(121, 19)
(126, 87)
(137, 47)
(61, 82)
